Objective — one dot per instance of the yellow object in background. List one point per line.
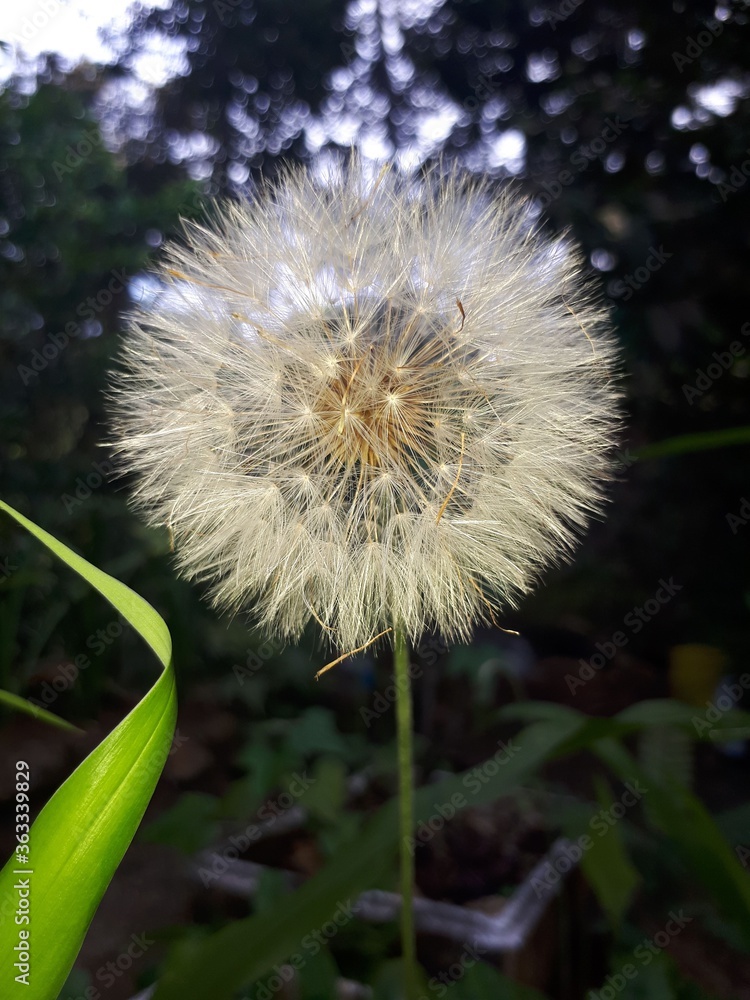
(694, 672)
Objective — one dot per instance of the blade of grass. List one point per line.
(24, 705)
(80, 836)
(687, 443)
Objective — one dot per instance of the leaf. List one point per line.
(189, 825)
(271, 886)
(703, 441)
(81, 834)
(658, 712)
(694, 837)
(483, 982)
(76, 985)
(24, 705)
(655, 980)
(389, 981)
(538, 711)
(325, 799)
(317, 978)
(704, 724)
(315, 732)
(666, 755)
(221, 963)
(606, 865)
(708, 724)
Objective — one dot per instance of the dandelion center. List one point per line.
(378, 412)
(387, 409)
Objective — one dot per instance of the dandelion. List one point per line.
(378, 404)
(369, 403)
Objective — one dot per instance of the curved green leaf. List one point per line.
(81, 834)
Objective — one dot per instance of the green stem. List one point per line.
(406, 812)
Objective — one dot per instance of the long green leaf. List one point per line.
(606, 863)
(81, 834)
(722, 725)
(24, 705)
(701, 441)
(694, 836)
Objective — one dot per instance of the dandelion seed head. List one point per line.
(369, 404)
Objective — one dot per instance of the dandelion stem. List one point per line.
(406, 812)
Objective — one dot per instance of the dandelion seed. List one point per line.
(328, 440)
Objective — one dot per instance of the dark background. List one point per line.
(629, 126)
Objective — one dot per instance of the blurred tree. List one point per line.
(254, 70)
(627, 126)
(75, 231)
(635, 131)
